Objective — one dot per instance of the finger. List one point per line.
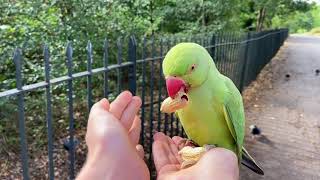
(179, 142)
(140, 150)
(159, 136)
(134, 132)
(159, 151)
(174, 151)
(130, 112)
(171, 149)
(103, 104)
(162, 152)
(120, 103)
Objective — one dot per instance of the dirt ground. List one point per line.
(287, 111)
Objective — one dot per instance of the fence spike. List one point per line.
(105, 65)
(89, 52)
(69, 54)
(132, 53)
(46, 55)
(133, 40)
(17, 59)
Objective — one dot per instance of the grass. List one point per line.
(315, 31)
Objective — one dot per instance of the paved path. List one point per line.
(288, 112)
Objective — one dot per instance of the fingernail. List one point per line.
(127, 92)
(137, 100)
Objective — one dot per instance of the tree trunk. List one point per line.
(203, 14)
(151, 16)
(263, 18)
(260, 19)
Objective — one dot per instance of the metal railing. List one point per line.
(240, 56)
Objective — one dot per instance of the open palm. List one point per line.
(217, 163)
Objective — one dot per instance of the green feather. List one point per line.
(234, 113)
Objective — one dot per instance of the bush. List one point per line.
(315, 31)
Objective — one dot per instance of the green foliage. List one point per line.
(297, 22)
(315, 31)
(264, 14)
(316, 16)
(200, 16)
(301, 20)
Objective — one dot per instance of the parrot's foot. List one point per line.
(209, 146)
(191, 155)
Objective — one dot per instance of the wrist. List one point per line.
(94, 168)
(101, 164)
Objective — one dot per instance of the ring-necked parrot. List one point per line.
(207, 103)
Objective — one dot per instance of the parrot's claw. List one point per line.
(209, 146)
(191, 143)
(188, 142)
(191, 155)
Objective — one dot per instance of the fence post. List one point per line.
(89, 77)
(132, 69)
(105, 65)
(17, 59)
(69, 54)
(119, 61)
(46, 55)
(213, 45)
(245, 63)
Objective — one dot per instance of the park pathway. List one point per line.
(288, 112)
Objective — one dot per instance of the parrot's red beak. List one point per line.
(174, 85)
(177, 90)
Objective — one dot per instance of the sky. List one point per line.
(317, 1)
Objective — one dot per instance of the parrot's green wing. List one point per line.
(234, 114)
(235, 126)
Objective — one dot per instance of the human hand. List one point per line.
(218, 163)
(112, 137)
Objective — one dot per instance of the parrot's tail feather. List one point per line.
(249, 162)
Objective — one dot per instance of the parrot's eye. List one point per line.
(192, 68)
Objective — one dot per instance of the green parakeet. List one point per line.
(207, 103)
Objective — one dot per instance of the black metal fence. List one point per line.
(240, 56)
